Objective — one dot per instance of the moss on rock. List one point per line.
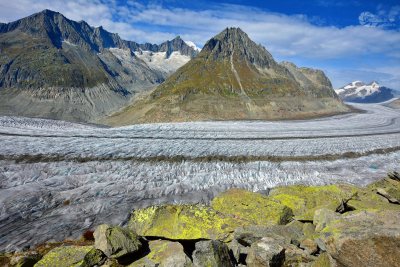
(66, 256)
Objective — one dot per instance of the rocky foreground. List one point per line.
(335, 225)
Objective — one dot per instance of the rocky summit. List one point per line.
(311, 226)
(234, 78)
(53, 67)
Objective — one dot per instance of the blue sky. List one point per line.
(349, 40)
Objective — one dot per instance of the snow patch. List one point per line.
(193, 45)
(159, 60)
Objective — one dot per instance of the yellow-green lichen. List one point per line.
(304, 200)
(65, 256)
(253, 207)
(184, 222)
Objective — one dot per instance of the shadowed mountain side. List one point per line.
(235, 79)
(54, 67)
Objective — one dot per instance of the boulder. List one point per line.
(324, 260)
(239, 251)
(304, 200)
(295, 256)
(377, 196)
(364, 238)
(94, 257)
(164, 254)
(253, 207)
(212, 253)
(322, 217)
(65, 256)
(25, 259)
(265, 252)
(309, 246)
(185, 222)
(116, 242)
(281, 233)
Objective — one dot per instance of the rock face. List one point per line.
(116, 242)
(359, 92)
(211, 253)
(54, 67)
(234, 78)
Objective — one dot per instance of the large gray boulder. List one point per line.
(364, 238)
(116, 242)
(266, 252)
(164, 253)
(211, 253)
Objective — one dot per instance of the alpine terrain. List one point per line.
(234, 78)
(359, 92)
(54, 67)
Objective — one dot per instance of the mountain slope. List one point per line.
(359, 92)
(234, 78)
(54, 67)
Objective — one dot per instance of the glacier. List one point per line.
(58, 179)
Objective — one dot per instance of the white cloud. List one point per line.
(382, 18)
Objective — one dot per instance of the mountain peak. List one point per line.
(235, 44)
(48, 11)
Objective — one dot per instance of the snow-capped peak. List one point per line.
(193, 45)
(361, 92)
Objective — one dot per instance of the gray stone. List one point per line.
(211, 253)
(265, 252)
(284, 233)
(116, 242)
(164, 254)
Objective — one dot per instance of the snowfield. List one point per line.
(58, 179)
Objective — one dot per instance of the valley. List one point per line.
(59, 178)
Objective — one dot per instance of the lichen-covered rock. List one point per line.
(65, 256)
(116, 242)
(93, 257)
(309, 246)
(164, 254)
(322, 217)
(24, 259)
(265, 252)
(364, 238)
(369, 198)
(184, 222)
(211, 253)
(254, 207)
(304, 200)
(324, 260)
(296, 257)
(282, 234)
